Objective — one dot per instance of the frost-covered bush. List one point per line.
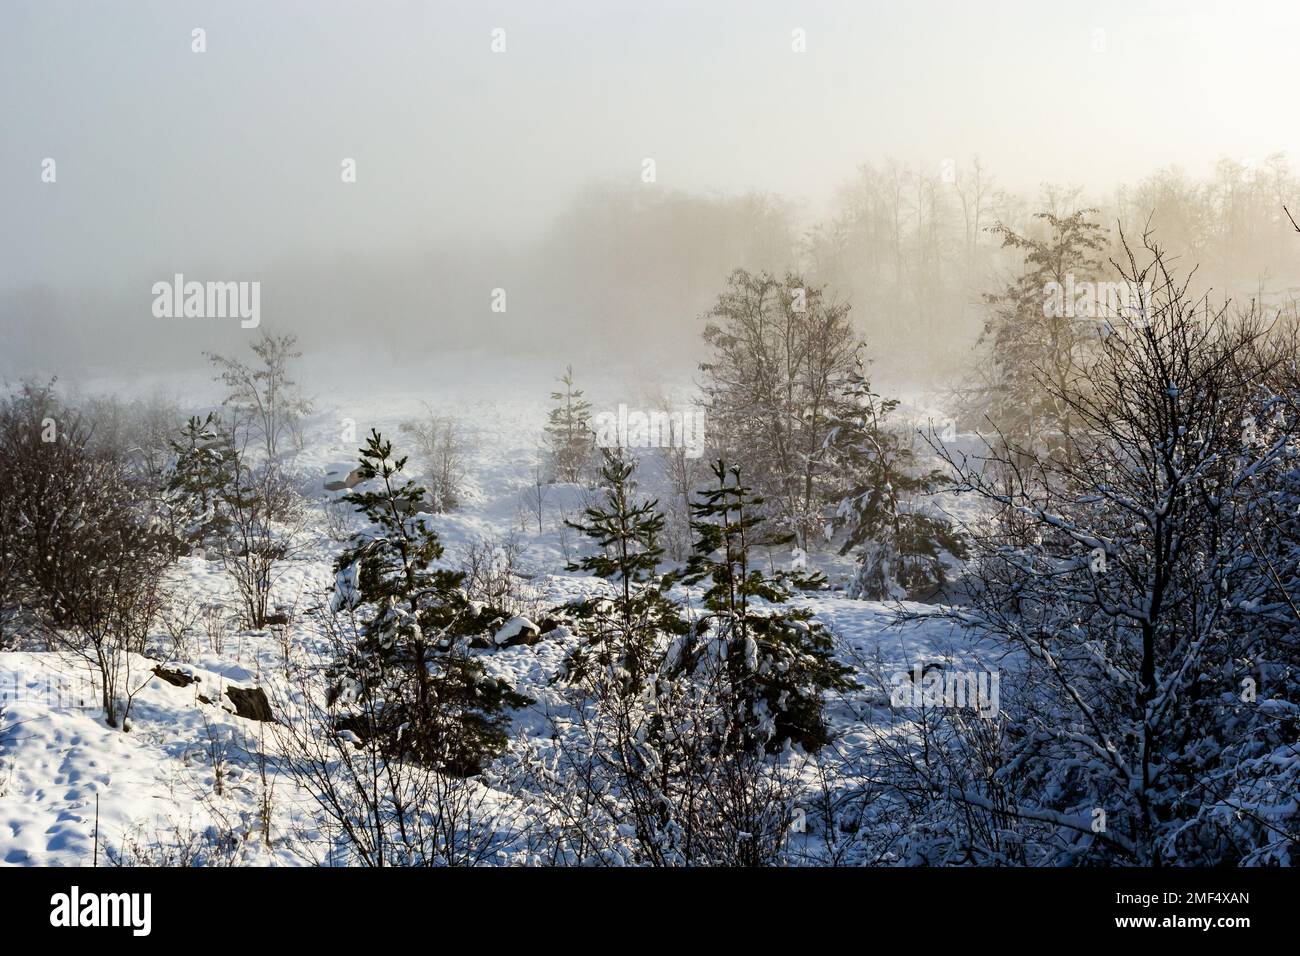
(644, 779)
(442, 445)
(407, 675)
(1151, 610)
(494, 575)
(903, 543)
(81, 550)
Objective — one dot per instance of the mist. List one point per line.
(499, 195)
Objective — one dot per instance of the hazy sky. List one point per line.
(168, 159)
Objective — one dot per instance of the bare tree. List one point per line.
(263, 518)
(781, 353)
(535, 493)
(442, 445)
(265, 402)
(1136, 600)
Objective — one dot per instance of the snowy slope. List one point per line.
(157, 786)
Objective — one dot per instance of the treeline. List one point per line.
(906, 244)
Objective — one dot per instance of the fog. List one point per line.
(523, 169)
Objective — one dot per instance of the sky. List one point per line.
(226, 160)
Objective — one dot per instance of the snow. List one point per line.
(73, 789)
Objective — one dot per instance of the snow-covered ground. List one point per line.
(73, 790)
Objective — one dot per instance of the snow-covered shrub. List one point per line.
(494, 575)
(646, 779)
(442, 445)
(83, 555)
(377, 808)
(10, 557)
(903, 544)
(1152, 607)
(408, 675)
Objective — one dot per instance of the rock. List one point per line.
(423, 506)
(351, 481)
(250, 703)
(516, 631)
(176, 678)
(352, 729)
(497, 633)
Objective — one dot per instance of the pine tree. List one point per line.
(625, 633)
(205, 467)
(568, 431)
(902, 546)
(774, 662)
(1038, 344)
(437, 704)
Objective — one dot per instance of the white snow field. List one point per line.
(74, 791)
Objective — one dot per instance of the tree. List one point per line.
(10, 544)
(45, 461)
(1142, 603)
(264, 401)
(410, 668)
(1038, 336)
(568, 431)
(781, 354)
(112, 595)
(975, 192)
(902, 546)
(774, 662)
(259, 513)
(658, 764)
(206, 463)
(79, 544)
(624, 634)
(666, 755)
(442, 446)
